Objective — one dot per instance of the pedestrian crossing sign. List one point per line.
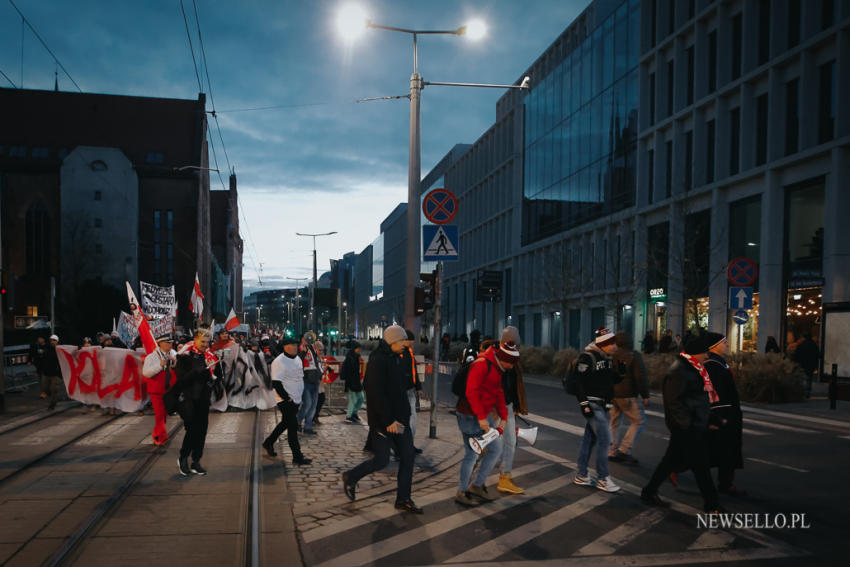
(439, 242)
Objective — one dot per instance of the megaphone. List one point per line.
(478, 444)
(529, 434)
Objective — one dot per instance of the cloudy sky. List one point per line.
(318, 162)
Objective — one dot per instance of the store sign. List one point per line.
(657, 294)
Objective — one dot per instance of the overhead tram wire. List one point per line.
(8, 79)
(35, 33)
(191, 49)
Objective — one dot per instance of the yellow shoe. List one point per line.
(43, 395)
(507, 485)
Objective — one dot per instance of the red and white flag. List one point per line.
(232, 321)
(196, 302)
(145, 333)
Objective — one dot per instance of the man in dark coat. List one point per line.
(388, 412)
(726, 439)
(50, 369)
(688, 393)
(37, 351)
(807, 355)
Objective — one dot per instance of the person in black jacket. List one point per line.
(388, 412)
(688, 393)
(196, 370)
(37, 351)
(350, 374)
(726, 441)
(807, 355)
(51, 371)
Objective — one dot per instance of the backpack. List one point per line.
(460, 377)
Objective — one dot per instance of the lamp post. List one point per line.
(313, 289)
(351, 22)
(298, 325)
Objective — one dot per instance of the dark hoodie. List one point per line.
(386, 388)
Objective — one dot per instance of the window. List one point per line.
(38, 237)
(793, 23)
(668, 181)
(650, 175)
(658, 252)
(792, 113)
(671, 22)
(709, 151)
(653, 19)
(764, 31)
(689, 160)
(98, 222)
(745, 229)
(827, 14)
(97, 195)
(689, 91)
(651, 99)
(734, 141)
(761, 129)
(826, 103)
(691, 8)
(737, 43)
(670, 88)
(712, 61)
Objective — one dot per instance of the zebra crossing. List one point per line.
(555, 521)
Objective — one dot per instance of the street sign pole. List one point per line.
(432, 431)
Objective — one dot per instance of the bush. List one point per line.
(537, 360)
(562, 361)
(770, 378)
(656, 367)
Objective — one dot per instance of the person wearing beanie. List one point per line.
(516, 404)
(595, 379)
(484, 394)
(350, 374)
(388, 413)
(471, 351)
(725, 439)
(628, 362)
(688, 395)
(288, 382)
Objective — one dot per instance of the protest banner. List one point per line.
(108, 377)
(246, 378)
(127, 330)
(162, 326)
(158, 301)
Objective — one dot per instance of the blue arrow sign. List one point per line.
(439, 242)
(740, 317)
(740, 298)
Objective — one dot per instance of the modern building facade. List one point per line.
(659, 141)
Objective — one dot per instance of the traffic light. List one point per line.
(428, 290)
(419, 300)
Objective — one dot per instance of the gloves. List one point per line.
(587, 412)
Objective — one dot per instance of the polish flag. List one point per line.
(232, 321)
(196, 302)
(145, 333)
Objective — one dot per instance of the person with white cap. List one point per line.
(52, 373)
(158, 371)
(388, 411)
(595, 379)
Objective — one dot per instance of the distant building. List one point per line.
(278, 308)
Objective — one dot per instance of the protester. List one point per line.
(51, 371)
(38, 350)
(516, 404)
(414, 385)
(726, 441)
(224, 341)
(626, 401)
(483, 396)
(595, 380)
(158, 372)
(445, 345)
(771, 346)
(86, 342)
(312, 376)
(288, 382)
(688, 393)
(470, 352)
(807, 355)
(320, 352)
(666, 344)
(388, 412)
(196, 369)
(649, 342)
(353, 385)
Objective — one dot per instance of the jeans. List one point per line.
(309, 399)
(411, 397)
(355, 401)
(596, 432)
(468, 425)
(510, 442)
(381, 442)
(632, 408)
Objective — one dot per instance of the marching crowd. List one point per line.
(608, 379)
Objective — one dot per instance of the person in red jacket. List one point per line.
(158, 370)
(484, 396)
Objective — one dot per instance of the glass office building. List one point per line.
(581, 124)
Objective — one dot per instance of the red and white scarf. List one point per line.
(209, 357)
(706, 381)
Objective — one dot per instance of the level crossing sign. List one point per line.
(439, 242)
(740, 298)
(439, 206)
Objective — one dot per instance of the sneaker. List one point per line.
(183, 466)
(316, 421)
(466, 499)
(582, 480)
(302, 460)
(408, 506)
(653, 499)
(309, 432)
(269, 447)
(198, 469)
(356, 418)
(506, 484)
(417, 450)
(615, 458)
(350, 419)
(625, 458)
(347, 487)
(481, 492)
(607, 484)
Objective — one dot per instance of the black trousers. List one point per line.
(288, 422)
(319, 405)
(686, 450)
(381, 443)
(196, 417)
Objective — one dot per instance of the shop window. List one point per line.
(696, 314)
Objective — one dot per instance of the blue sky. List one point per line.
(323, 163)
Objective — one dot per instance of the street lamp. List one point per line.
(195, 167)
(351, 22)
(313, 290)
(298, 303)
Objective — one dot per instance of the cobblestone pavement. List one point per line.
(316, 489)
